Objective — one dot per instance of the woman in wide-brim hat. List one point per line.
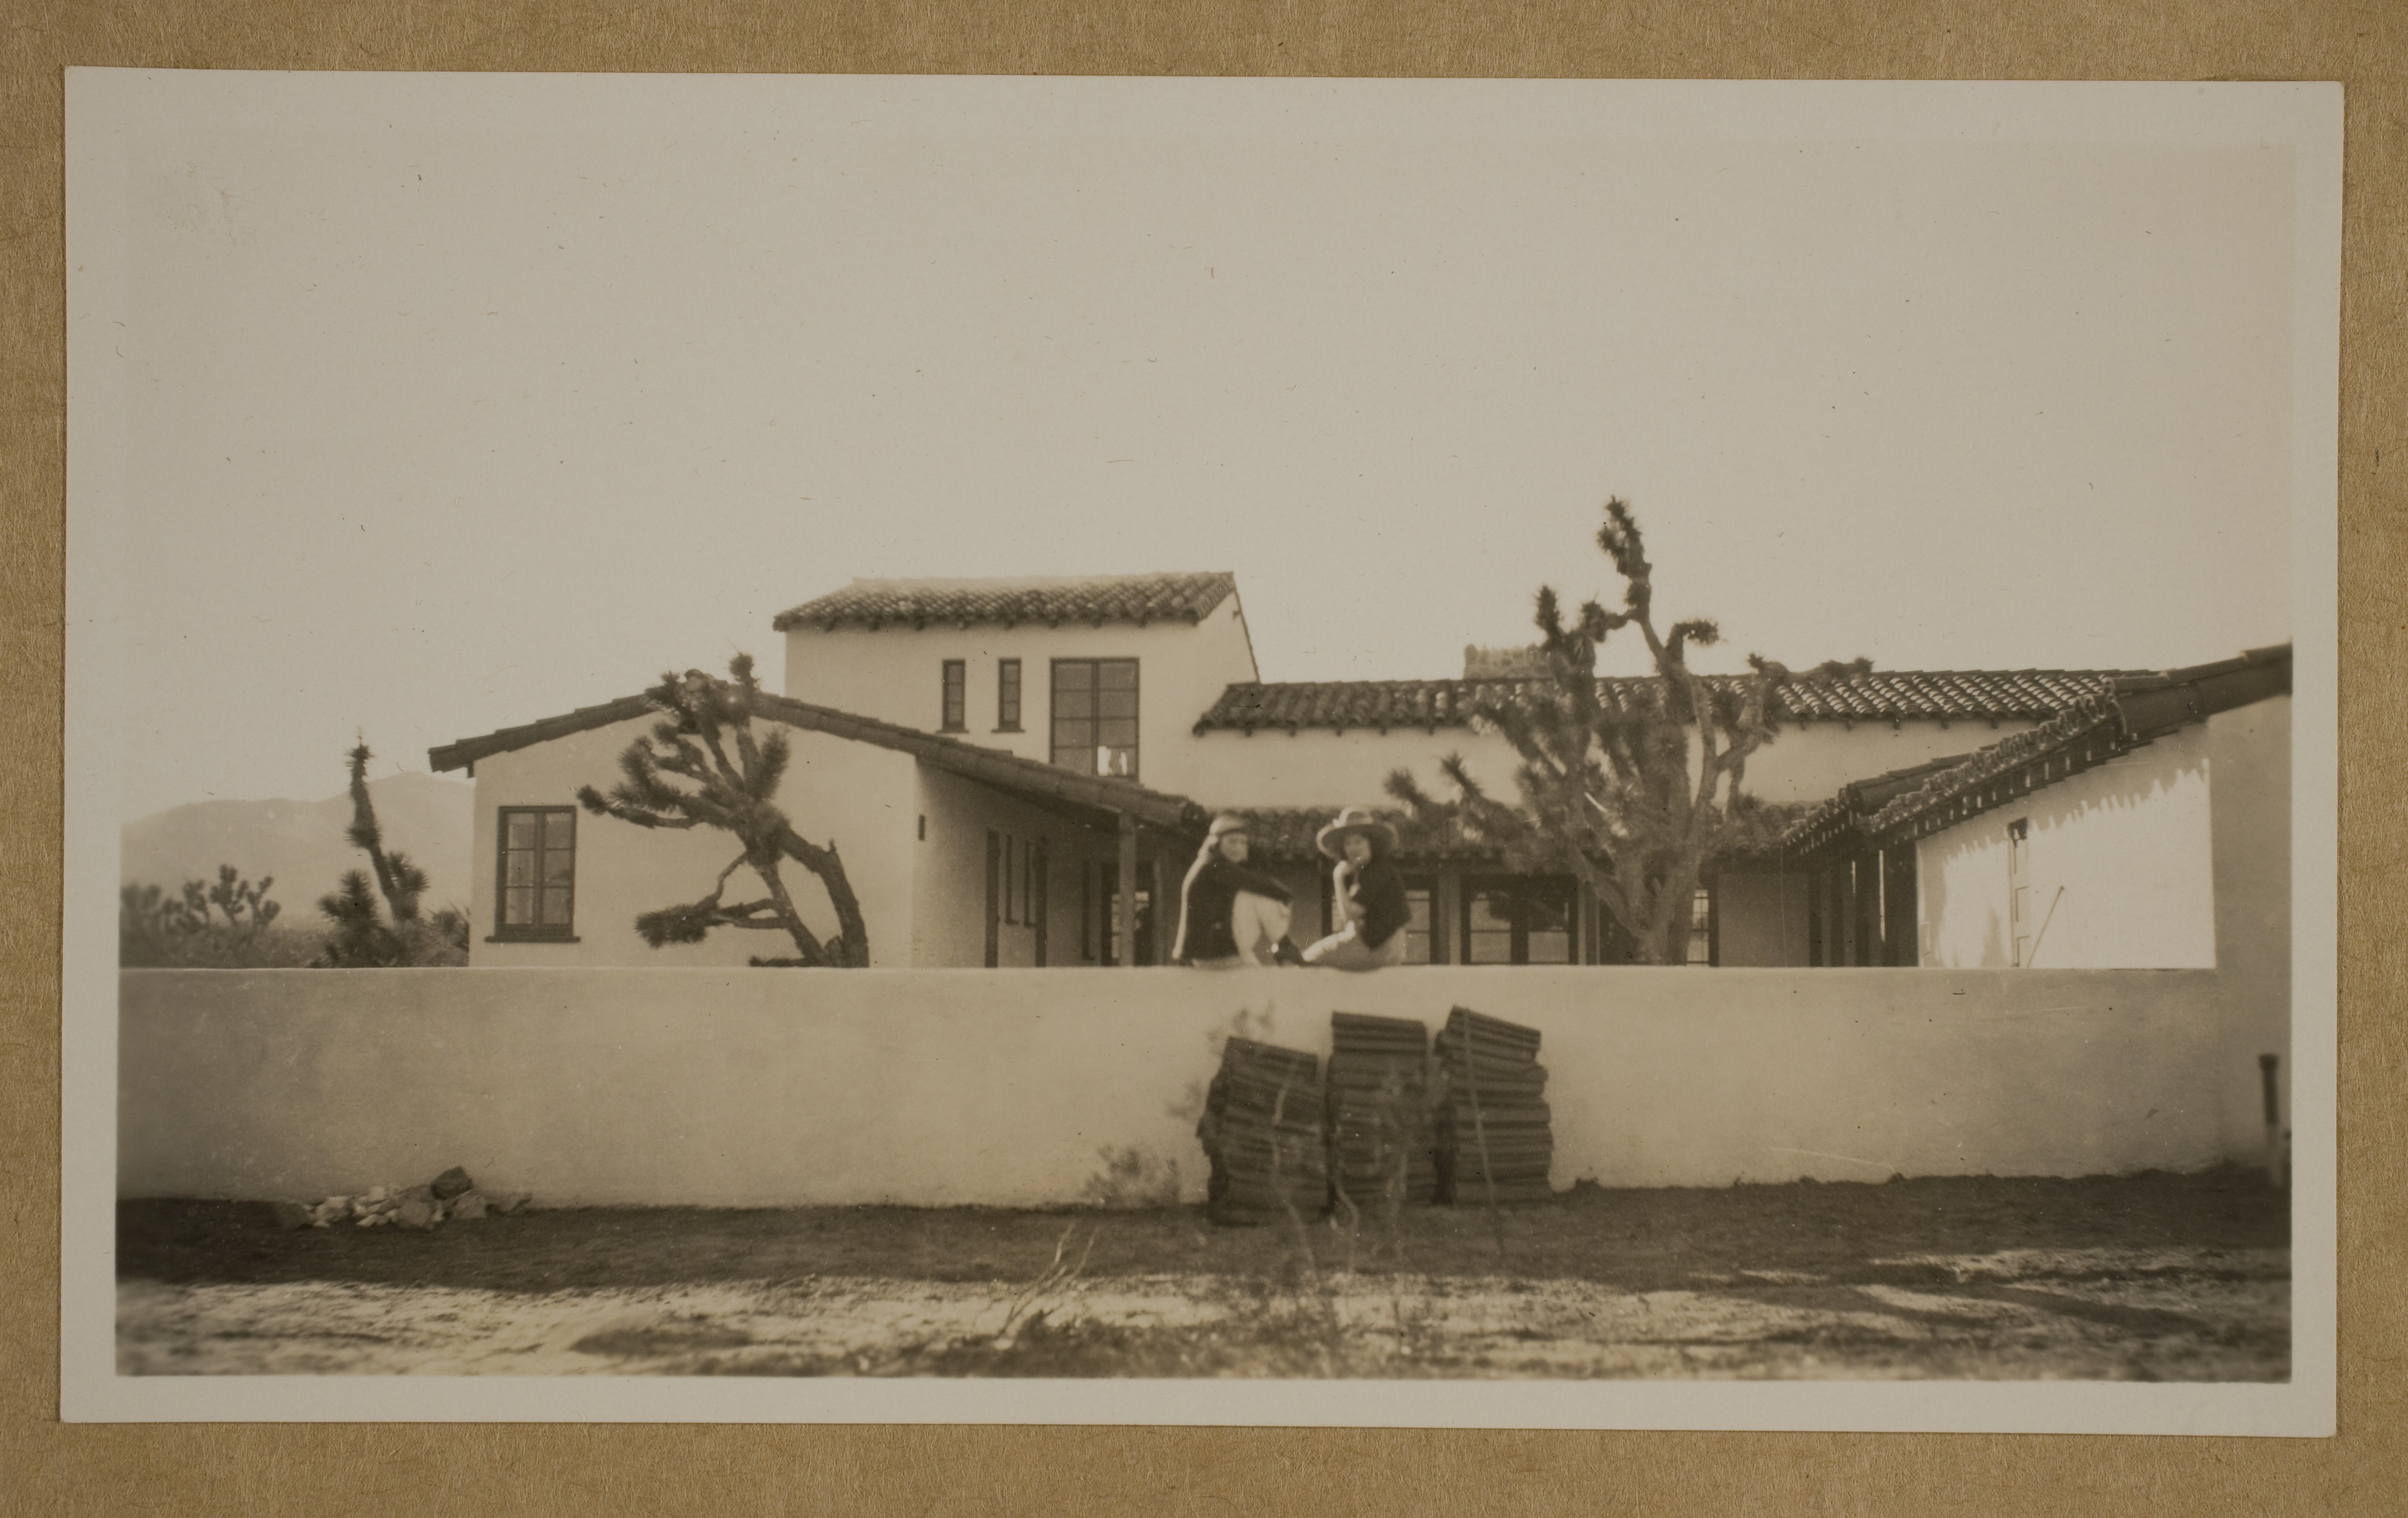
(1368, 894)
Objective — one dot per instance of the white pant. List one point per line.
(1258, 923)
(1345, 950)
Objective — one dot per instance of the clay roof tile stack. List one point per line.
(1383, 1136)
(1496, 1142)
(1262, 1130)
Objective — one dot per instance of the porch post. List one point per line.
(1125, 902)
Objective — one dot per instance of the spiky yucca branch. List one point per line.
(400, 882)
(702, 766)
(1632, 791)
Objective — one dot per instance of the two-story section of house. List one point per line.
(1099, 675)
(995, 761)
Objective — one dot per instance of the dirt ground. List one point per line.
(2147, 1276)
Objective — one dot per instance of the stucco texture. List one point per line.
(766, 1088)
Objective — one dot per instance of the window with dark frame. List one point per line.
(1702, 927)
(536, 875)
(1520, 919)
(1010, 882)
(1095, 717)
(956, 688)
(1086, 910)
(1421, 937)
(1007, 696)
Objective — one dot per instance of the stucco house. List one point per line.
(1017, 772)
(2145, 827)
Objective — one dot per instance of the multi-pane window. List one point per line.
(1095, 716)
(1518, 919)
(537, 873)
(1007, 696)
(1702, 927)
(1421, 938)
(956, 690)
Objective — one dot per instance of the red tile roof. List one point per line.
(1008, 772)
(1288, 832)
(1093, 598)
(1892, 696)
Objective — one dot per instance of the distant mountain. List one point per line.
(301, 844)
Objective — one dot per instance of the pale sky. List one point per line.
(450, 403)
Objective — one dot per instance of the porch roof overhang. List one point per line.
(2134, 711)
(1097, 800)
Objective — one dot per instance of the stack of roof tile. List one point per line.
(1495, 1142)
(1382, 1132)
(1262, 1132)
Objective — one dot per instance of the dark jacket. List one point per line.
(1381, 891)
(1204, 931)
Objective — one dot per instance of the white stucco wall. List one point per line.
(1807, 763)
(898, 674)
(2121, 869)
(859, 796)
(774, 1087)
(2249, 756)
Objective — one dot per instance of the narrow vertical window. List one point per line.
(537, 873)
(993, 898)
(956, 685)
(1702, 927)
(1420, 937)
(1007, 696)
(1041, 896)
(1011, 897)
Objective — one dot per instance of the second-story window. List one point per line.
(1007, 696)
(956, 690)
(1095, 716)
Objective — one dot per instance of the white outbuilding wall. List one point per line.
(2121, 869)
(861, 797)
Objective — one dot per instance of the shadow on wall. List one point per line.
(1977, 857)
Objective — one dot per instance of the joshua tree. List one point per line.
(154, 928)
(360, 937)
(702, 766)
(1632, 787)
(400, 882)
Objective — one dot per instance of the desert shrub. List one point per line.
(231, 925)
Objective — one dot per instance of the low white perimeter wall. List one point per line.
(763, 1088)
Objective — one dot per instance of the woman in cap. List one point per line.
(1369, 894)
(1231, 915)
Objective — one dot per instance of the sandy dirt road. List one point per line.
(2096, 1314)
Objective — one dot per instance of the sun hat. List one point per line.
(1331, 840)
(1228, 822)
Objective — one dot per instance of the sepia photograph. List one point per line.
(1525, 753)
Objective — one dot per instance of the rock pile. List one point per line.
(1495, 1140)
(1262, 1132)
(1382, 1131)
(449, 1195)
